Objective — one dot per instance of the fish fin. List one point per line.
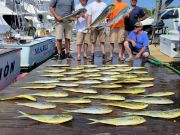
(23, 113)
(94, 121)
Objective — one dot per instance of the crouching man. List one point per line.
(137, 41)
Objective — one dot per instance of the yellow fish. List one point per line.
(106, 97)
(105, 68)
(38, 105)
(91, 70)
(81, 90)
(139, 72)
(51, 94)
(110, 73)
(52, 75)
(40, 87)
(87, 75)
(23, 96)
(68, 79)
(152, 100)
(70, 100)
(92, 110)
(50, 119)
(169, 114)
(122, 121)
(88, 66)
(105, 78)
(72, 72)
(160, 94)
(144, 79)
(67, 84)
(125, 76)
(116, 65)
(129, 91)
(143, 85)
(107, 86)
(55, 71)
(128, 105)
(88, 82)
(127, 82)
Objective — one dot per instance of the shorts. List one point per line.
(135, 49)
(82, 38)
(98, 33)
(63, 29)
(117, 35)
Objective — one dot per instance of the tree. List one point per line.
(148, 12)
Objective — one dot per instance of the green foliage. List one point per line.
(148, 12)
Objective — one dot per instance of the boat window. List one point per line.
(11, 20)
(172, 14)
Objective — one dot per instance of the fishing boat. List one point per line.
(9, 67)
(15, 34)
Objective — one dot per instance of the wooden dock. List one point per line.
(165, 80)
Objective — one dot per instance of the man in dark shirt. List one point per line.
(136, 14)
(60, 9)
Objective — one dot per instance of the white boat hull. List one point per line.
(168, 45)
(35, 52)
(9, 67)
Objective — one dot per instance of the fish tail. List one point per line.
(21, 116)
(94, 121)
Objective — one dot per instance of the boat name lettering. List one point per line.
(41, 49)
(8, 69)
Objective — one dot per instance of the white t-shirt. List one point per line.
(81, 23)
(95, 9)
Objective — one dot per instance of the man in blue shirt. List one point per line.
(136, 14)
(137, 41)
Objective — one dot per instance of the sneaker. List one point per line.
(59, 57)
(92, 57)
(68, 55)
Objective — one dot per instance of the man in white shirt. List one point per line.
(81, 25)
(94, 10)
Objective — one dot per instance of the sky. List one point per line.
(149, 4)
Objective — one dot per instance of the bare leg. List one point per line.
(59, 45)
(92, 48)
(111, 50)
(128, 50)
(67, 45)
(85, 50)
(102, 47)
(121, 51)
(79, 52)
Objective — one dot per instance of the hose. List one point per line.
(158, 63)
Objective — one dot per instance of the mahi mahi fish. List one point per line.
(144, 79)
(122, 121)
(67, 84)
(81, 90)
(88, 82)
(92, 110)
(159, 94)
(106, 97)
(52, 75)
(127, 82)
(122, 69)
(55, 71)
(103, 15)
(70, 100)
(125, 76)
(153, 100)
(50, 119)
(129, 91)
(107, 86)
(143, 85)
(23, 96)
(71, 17)
(38, 105)
(107, 78)
(68, 79)
(128, 105)
(51, 94)
(168, 114)
(116, 65)
(44, 81)
(39, 87)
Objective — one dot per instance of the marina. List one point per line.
(165, 80)
(45, 92)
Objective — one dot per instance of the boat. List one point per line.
(14, 34)
(9, 67)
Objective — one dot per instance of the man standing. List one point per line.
(94, 10)
(117, 29)
(83, 38)
(136, 14)
(60, 9)
(137, 41)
